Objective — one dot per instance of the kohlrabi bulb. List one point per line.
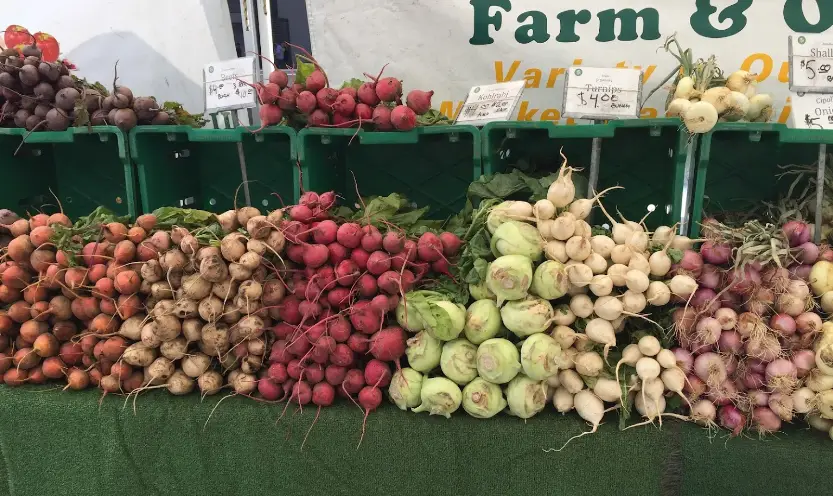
(539, 356)
(550, 280)
(450, 326)
(482, 399)
(498, 360)
(424, 352)
(525, 396)
(439, 396)
(506, 211)
(509, 277)
(405, 386)
(482, 321)
(408, 317)
(459, 361)
(517, 238)
(528, 316)
(481, 291)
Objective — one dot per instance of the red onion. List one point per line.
(781, 375)
(744, 281)
(801, 272)
(723, 394)
(753, 380)
(731, 364)
(691, 264)
(705, 301)
(730, 300)
(694, 387)
(727, 317)
(758, 397)
(775, 277)
(804, 361)
(783, 324)
(685, 360)
(756, 366)
(748, 322)
(765, 420)
(781, 405)
(730, 341)
(704, 412)
(808, 322)
(808, 253)
(765, 348)
(708, 331)
(684, 318)
(714, 253)
(731, 418)
(710, 367)
(826, 254)
(709, 277)
(797, 232)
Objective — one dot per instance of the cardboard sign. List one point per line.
(490, 103)
(223, 87)
(602, 94)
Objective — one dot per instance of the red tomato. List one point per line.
(16, 35)
(48, 45)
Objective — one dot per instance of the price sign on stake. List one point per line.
(223, 90)
(490, 103)
(811, 64)
(602, 94)
(811, 111)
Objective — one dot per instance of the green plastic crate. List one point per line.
(738, 163)
(645, 156)
(432, 166)
(200, 168)
(85, 168)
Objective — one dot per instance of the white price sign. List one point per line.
(602, 94)
(490, 103)
(811, 64)
(223, 87)
(811, 111)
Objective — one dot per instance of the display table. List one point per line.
(62, 443)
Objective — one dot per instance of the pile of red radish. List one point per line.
(747, 334)
(338, 332)
(376, 103)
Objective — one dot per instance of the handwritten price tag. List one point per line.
(602, 94)
(491, 102)
(811, 64)
(223, 87)
(811, 111)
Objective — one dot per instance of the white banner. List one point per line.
(451, 45)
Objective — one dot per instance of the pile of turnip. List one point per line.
(376, 103)
(554, 297)
(701, 96)
(747, 334)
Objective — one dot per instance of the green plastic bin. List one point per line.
(431, 166)
(200, 168)
(645, 156)
(738, 163)
(84, 168)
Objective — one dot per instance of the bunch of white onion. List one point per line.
(736, 101)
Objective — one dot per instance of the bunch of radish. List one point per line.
(747, 333)
(337, 333)
(376, 103)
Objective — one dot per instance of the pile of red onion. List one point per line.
(746, 335)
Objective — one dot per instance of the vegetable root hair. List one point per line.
(591, 431)
(218, 404)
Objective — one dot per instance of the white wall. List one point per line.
(161, 45)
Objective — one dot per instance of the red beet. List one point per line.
(382, 118)
(363, 112)
(349, 90)
(420, 101)
(279, 78)
(288, 99)
(270, 115)
(367, 94)
(315, 81)
(389, 89)
(344, 104)
(318, 118)
(306, 102)
(326, 98)
(403, 118)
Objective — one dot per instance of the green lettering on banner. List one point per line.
(627, 22)
(797, 21)
(535, 31)
(702, 25)
(568, 20)
(482, 19)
